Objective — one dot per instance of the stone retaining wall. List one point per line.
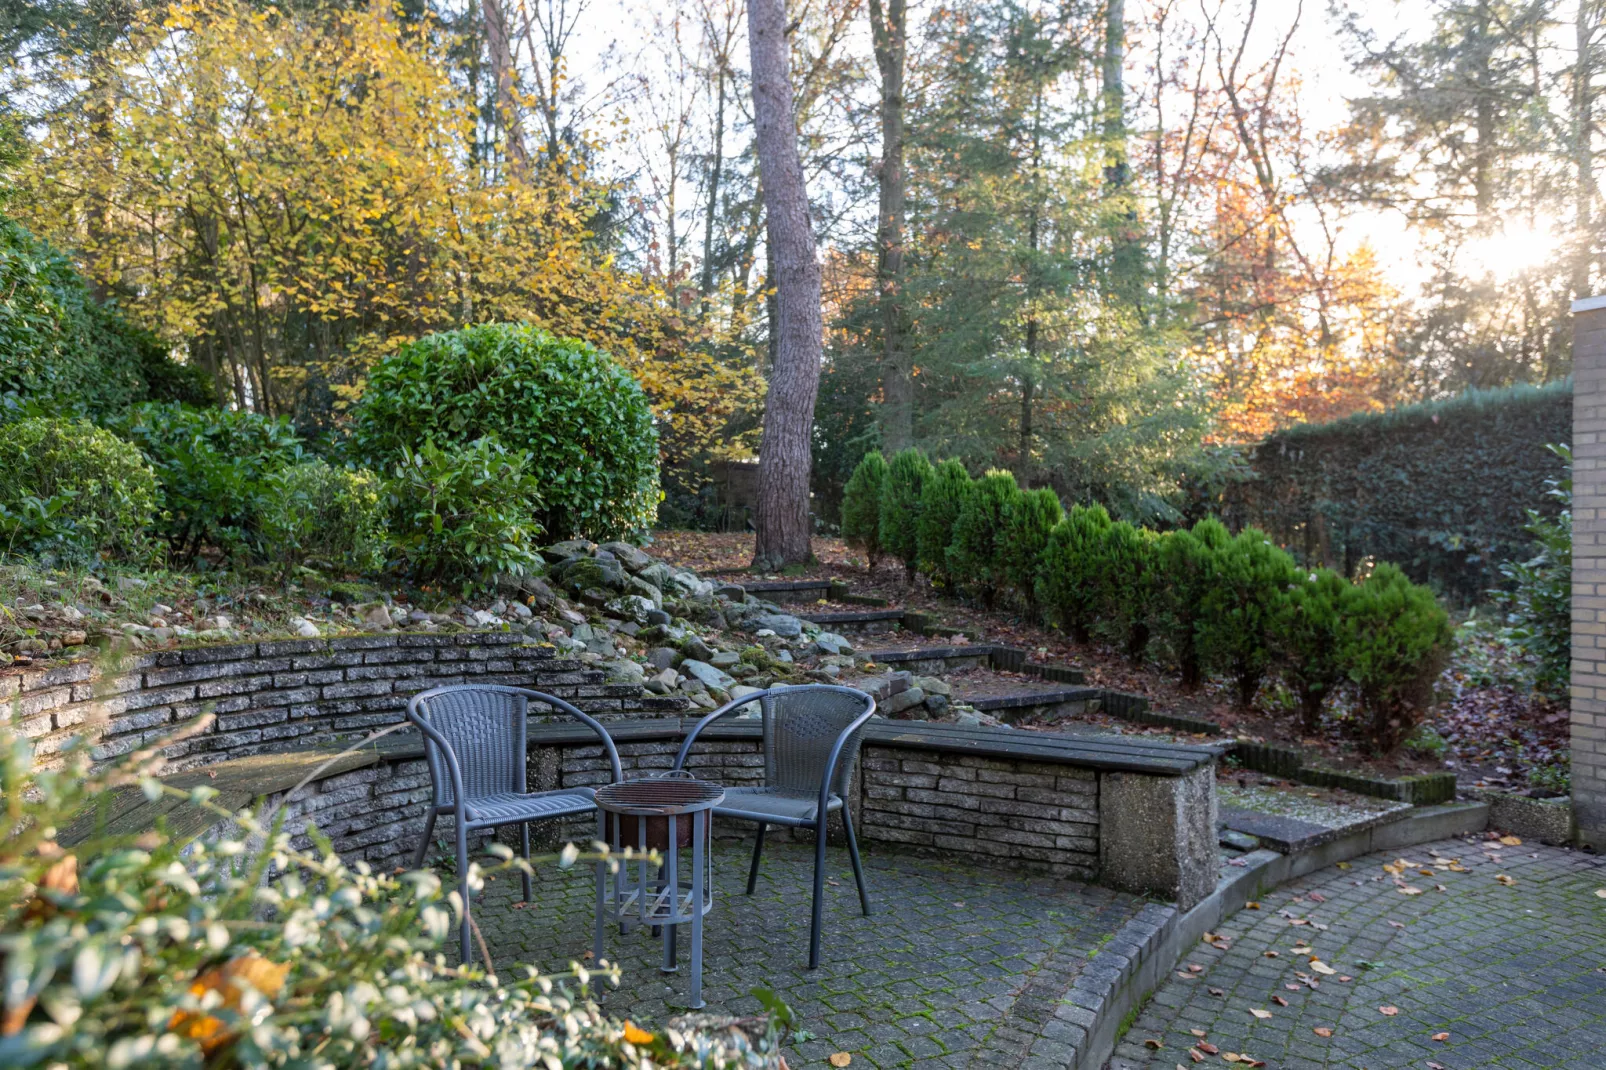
(284, 694)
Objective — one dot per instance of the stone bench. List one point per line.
(1134, 814)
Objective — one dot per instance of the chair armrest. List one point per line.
(733, 704)
(454, 773)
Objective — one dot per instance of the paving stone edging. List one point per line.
(1134, 963)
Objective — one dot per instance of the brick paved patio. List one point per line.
(1514, 974)
(959, 967)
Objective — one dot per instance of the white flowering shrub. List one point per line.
(143, 949)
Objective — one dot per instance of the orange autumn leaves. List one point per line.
(232, 980)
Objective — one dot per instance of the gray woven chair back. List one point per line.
(488, 731)
(800, 727)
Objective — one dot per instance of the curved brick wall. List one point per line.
(284, 694)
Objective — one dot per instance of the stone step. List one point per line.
(1036, 705)
(789, 590)
(858, 621)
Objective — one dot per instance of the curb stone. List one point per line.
(1149, 946)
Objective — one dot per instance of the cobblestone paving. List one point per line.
(1514, 974)
(958, 967)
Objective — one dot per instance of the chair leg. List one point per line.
(524, 847)
(462, 888)
(423, 842)
(819, 891)
(758, 851)
(858, 867)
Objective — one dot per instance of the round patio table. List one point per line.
(669, 813)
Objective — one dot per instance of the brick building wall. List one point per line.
(1589, 571)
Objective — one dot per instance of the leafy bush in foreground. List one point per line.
(122, 951)
(71, 488)
(861, 506)
(900, 508)
(583, 420)
(462, 516)
(315, 513)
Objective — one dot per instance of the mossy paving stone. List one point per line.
(956, 961)
(1514, 974)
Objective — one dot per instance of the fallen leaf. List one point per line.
(1232, 1057)
(1503, 879)
(1441, 1037)
(1299, 921)
(1152, 1043)
(1302, 949)
(1397, 924)
(1322, 1031)
(1291, 987)
(1271, 954)
(1196, 1055)
(1251, 905)
(1184, 975)
(1258, 1013)
(1217, 992)
(1195, 967)
(1317, 897)
(1221, 945)
(1389, 1011)
(1408, 890)
(1345, 978)
(1441, 887)
(1280, 1001)
(1435, 1066)
(1321, 967)
(636, 1035)
(1511, 841)
(1343, 865)
(1425, 872)
(841, 1058)
(1601, 892)
(1208, 1049)
(1200, 1033)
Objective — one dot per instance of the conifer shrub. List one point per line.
(1239, 608)
(1187, 561)
(1031, 517)
(861, 507)
(975, 556)
(941, 500)
(1305, 640)
(900, 508)
(1125, 586)
(1067, 582)
(1394, 641)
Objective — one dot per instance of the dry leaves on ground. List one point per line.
(1390, 1011)
(841, 1058)
(1322, 1031)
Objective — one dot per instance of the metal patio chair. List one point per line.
(811, 746)
(476, 742)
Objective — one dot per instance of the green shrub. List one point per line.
(1125, 586)
(61, 352)
(334, 517)
(213, 466)
(1187, 561)
(464, 515)
(1066, 584)
(941, 500)
(1305, 639)
(900, 508)
(164, 949)
(72, 488)
(861, 507)
(976, 553)
(1394, 641)
(1538, 603)
(1031, 517)
(583, 420)
(1239, 607)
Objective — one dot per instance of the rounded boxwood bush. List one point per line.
(1306, 637)
(315, 513)
(1394, 640)
(71, 485)
(584, 421)
(1239, 609)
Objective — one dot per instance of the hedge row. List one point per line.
(1443, 488)
(1236, 606)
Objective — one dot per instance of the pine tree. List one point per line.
(1306, 640)
(1032, 516)
(1239, 609)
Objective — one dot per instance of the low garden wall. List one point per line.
(282, 694)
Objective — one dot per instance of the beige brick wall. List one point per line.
(1589, 572)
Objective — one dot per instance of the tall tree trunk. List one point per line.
(1126, 260)
(1483, 159)
(888, 31)
(784, 456)
(715, 174)
(497, 38)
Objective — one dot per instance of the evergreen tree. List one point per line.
(861, 507)
(1031, 519)
(976, 555)
(1239, 608)
(1072, 563)
(1306, 637)
(941, 500)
